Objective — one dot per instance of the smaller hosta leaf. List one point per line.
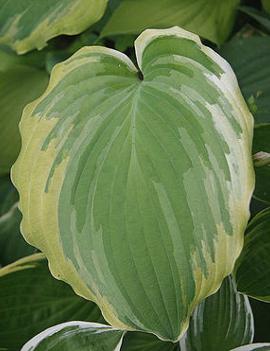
(76, 336)
(221, 322)
(31, 300)
(253, 347)
(252, 269)
(29, 24)
(19, 85)
(211, 19)
(12, 244)
(250, 59)
(136, 341)
(261, 144)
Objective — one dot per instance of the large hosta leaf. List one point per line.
(31, 300)
(253, 266)
(221, 322)
(29, 24)
(209, 18)
(19, 85)
(136, 185)
(12, 244)
(75, 336)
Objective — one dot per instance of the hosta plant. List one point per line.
(135, 174)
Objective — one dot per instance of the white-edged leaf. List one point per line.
(115, 167)
(221, 322)
(29, 24)
(76, 336)
(254, 347)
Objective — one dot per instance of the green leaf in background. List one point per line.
(211, 19)
(31, 300)
(123, 42)
(19, 85)
(113, 4)
(54, 57)
(29, 24)
(261, 17)
(8, 195)
(253, 347)
(77, 336)
(266, 5)
(221, 322)
(136, 341)
(252, 270)
(12, 244)
(261, 143)
(250, 57)
(261, 313)
(115, 166)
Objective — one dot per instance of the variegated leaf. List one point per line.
(254, 347)
(74, 336)
(29, 24)
(221, 322)
(136, 184)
